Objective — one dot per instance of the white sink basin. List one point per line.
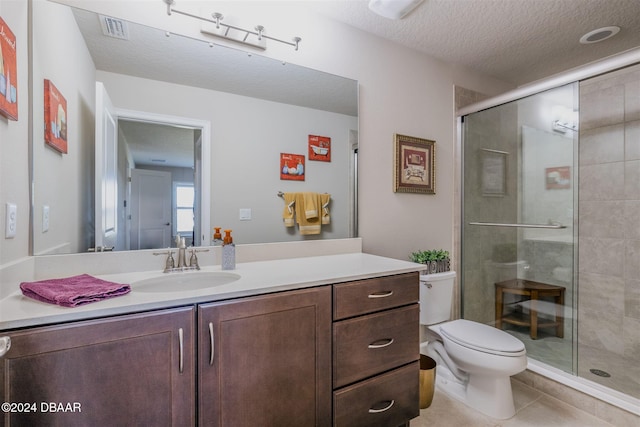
(187, 281)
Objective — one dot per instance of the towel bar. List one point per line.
(281, 194)
(497, 224)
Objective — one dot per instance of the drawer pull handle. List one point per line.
(386, 408)
(211, 341)
(385, 343)
(382, 294)
(181, 354)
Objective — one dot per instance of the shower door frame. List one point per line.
(628, 58)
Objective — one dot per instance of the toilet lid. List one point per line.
(482, 337)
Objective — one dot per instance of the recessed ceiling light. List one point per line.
(599, 35)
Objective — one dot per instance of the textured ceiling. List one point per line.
(517, 41)
(149, 53)
(155, 144)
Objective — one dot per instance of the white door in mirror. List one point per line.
(11, 218)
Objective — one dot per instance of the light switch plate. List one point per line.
(11, 220)
(245, 214)
(45, 218)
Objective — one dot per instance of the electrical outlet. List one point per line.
(45, 218)
(11, 219)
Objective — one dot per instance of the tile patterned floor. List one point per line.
(532, 409)
(557, 352)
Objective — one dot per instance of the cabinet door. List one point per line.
(266, 361)
(126, 370)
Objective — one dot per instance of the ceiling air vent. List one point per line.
(114, 27)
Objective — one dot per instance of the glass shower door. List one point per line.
(518, 229)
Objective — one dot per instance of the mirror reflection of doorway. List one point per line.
(158, 164)
(127, 140)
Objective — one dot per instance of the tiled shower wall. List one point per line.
(609, 214)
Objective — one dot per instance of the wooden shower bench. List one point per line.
(533, 292)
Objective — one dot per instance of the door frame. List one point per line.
(205, 171)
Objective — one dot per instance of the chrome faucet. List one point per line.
(182, 247)
(182, 265)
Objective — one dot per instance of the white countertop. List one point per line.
(261, 277)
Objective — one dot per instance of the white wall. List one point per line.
(64, 182)
(401, 91)
(14, 135)
(245, 153)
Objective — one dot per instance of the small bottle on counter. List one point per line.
(217, 237)
(228, 252)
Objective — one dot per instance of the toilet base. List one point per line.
(489, 395)
(492, 396)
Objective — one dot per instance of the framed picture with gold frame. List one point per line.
(414, 165)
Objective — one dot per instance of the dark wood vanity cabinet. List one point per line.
(127, 370)
(342, 355)
(376, 351)
(266, 361)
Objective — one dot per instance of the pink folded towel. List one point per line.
(73, 291)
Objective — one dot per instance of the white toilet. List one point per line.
(474, 361)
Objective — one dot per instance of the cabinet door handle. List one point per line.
(385, 342)
(5, 345)
(181, 352)
(386, 408)
(382, 294)
(211, 341)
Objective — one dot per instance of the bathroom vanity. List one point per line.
(339, 347)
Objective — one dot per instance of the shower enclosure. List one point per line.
(550, 233)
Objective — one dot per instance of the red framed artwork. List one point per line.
(8, 73)
(292, 167)
(55, 118)
(319, 148)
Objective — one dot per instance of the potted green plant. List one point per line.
(436, 260)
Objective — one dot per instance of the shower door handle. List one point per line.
(499, 224)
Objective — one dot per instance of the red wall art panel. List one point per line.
(292, 166)
(55, 118)
(8, 73)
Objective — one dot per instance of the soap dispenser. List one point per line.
(228, 252)
(217, 237)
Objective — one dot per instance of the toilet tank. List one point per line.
(436, 295)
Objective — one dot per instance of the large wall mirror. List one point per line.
(190, 136)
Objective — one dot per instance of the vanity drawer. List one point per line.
(368, 345)
(370, 295)
(389, 399)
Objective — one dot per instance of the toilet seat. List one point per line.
(483, 338)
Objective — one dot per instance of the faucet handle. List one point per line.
(193, 260)
(169, 263)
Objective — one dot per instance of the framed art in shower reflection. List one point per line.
(494, 172)
(8, 73)
(413, 165)
(558, 178)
